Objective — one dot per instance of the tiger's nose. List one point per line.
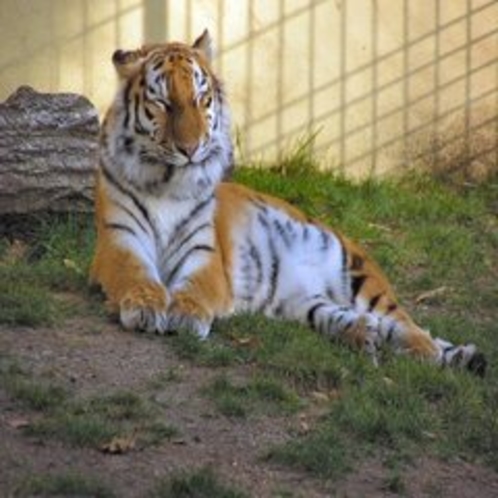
(187, 150)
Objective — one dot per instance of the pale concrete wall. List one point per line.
(382, 83)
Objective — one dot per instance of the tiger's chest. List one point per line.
(184, 237)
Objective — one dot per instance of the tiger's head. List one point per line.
(169, 125)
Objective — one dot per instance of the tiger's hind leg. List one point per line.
(360, 331)
(466, 356)
(369, 331)
(405, 337)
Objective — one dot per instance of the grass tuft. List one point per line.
(76, 430)
(45, 255)
(23, 303)
(202, 483)
(22, 388)
(259, 394)
(322, 452)
(34, 395)
(65, 485)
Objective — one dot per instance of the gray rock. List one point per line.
(48, 150)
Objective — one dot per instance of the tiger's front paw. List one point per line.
(186, 314)
(144, 308)
(199, 327)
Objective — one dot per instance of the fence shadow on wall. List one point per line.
(427, 97)
(461, 127)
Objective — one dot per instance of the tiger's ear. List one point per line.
(126, 62)
(204, 45)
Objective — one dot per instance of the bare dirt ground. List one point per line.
(91, 355)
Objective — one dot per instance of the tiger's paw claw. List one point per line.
(186, 313)
(144, 308)
(177, 323)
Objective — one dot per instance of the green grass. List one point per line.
(76, 430)
(323, 453)
(288, 350)
(34, 395)
(53, 259)
(425, 235)
(22, 388)
(422, 411)
(188, 346)
(162, 379)
(201, 483)
(259, 394)
(156, 432)
(88, 422)
(65, 485)
(22, 303)
(95, 421)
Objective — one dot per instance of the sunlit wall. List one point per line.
(380, 84)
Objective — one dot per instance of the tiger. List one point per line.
(179, 246)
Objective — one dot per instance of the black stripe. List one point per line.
(344, 265)
(356, 284)
(263, 221)
(274, 266)
(128, 145)
(374, 301)
(283, 233)
(158, 65)
(111, 179)
(120, 226)
(329, 291)
(188, 238)
(390, 332)
(325, 240)
(132, 215)
(139, 127)
(184, 222)
(259, 203)
(274, 273)
(148, 113)
(256, 257)
(310, 316)
(177, 267)
(126, 99)
(137, 111)
(279, 310)
(340, 315)
(356, 262)
(347, 325)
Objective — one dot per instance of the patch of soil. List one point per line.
(92, 356)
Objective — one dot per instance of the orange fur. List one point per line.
(118, 270)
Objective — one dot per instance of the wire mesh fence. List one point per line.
(381, 85)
